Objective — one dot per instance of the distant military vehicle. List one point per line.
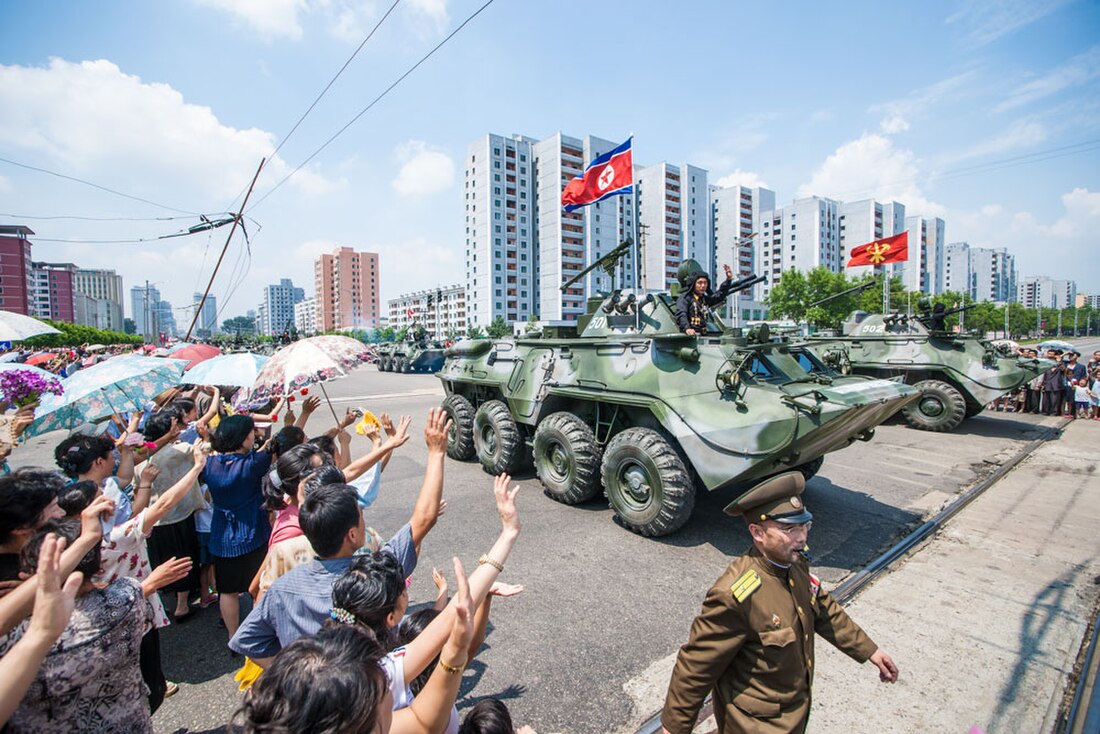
(957, 374)
(625, 402)
(417, 353)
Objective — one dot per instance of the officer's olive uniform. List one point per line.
(752, 646)
(757, 655)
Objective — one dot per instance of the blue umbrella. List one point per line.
(238, 370)
(114, 386)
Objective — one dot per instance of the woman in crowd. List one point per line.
(28, 498)
(92, 457)
(239, 529)
(333, 682)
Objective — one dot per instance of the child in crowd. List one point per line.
(1094, 398)
(1081, 398)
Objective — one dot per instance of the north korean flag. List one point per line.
(611, 174)
(887, 250)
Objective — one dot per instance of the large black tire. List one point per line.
(567, 459)
(406, 365)
(460, 440)
(811, 468)
(646, 482)
(939, 408)
(383, 364)
(497, 439)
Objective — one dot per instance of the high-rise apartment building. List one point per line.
(206, 325)
(305, 316)
(674, 221)
(15, 269)
(276, 311)
(1035, 291)
(922, 272)
(568, 241)
(153, 316)
(865, 221)
(52, 291)
(441, 311)
(984, 274)
(736, 229)
(347, 287)
(99, 294)
(522, 247)
(803, 235)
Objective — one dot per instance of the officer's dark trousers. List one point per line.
(1052, 402)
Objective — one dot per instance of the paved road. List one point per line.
(602, 604)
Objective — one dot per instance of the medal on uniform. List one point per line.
(776, 621)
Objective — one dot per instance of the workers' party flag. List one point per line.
(887, 250)
(611, 174)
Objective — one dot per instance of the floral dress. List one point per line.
(91, 681)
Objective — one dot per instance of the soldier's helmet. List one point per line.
(923, 303)
(688, 268)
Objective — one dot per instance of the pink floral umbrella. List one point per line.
(306, 362)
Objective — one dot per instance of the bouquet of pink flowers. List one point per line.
(23, 387)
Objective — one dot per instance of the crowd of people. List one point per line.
(152, 516)
(1069, 388)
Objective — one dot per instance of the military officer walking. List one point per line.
(753, 643)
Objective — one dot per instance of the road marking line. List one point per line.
(383, 396)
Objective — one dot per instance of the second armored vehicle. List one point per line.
(625, 403)
(957, 374)
(415, 354)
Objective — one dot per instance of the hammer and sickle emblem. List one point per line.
(878, 252)
(607, 175)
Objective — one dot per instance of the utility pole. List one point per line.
(236, 221)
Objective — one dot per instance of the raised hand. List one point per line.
(506, 503)
(440, 581)
(349, 418)
(370, 430)
(463, 629)
(90, 519)
(166, 573)
(436, 430)
(499, 588)
(149, 474)
(200, 451)
(54, 600)
(387, 424)
(310, 404)
(442, 509)
(729, 272)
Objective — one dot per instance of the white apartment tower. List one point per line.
(441, 311)
(1042, 291)
(569, 242)
(865, 221)
(802, 235)
(922, 271)
(735, 217)
(501, 253)
(673, 204)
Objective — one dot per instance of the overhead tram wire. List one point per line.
(325, 90)
(102, 219)
(373, 102)
(97, 186)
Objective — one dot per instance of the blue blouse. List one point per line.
(240, 523)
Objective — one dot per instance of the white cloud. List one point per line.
(431, 15)
(871, 167)
(272, 19)
(748, 179)
(136, 136)
(1079, 70)
(984, 21)
(893, 124)
(1020, 134)
(1062, 248)
(423, 170)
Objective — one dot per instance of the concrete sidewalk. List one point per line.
(985, 620)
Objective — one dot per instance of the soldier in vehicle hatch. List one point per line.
(694, 305)
(753, 643)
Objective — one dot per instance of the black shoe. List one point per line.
(181, 618)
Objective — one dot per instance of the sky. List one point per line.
(983, 112)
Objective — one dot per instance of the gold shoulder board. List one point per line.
(744, 586)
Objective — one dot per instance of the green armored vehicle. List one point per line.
(415, 354)
(625, 403)
(957, 374)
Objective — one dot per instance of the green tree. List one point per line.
(499, 328)
(402, 334)
(74, 335)
(453, 334)
(532, 324)
(128, 326)
(475, 332)
(788, 299)
(385, 334)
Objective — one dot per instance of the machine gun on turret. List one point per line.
(936, 320)
(857, 289)
(608, 262)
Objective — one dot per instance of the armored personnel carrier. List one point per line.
(416, 354)
(957, 374)
(625, 403)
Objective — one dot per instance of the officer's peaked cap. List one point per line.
(777, 498)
